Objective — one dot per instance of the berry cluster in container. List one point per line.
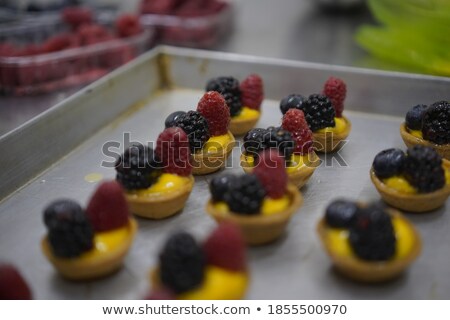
(215, 269)
(428, 126)
(196, 23)
(80, 51)
(323, 113)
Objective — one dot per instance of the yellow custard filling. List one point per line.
(217, 143)
(104, 242)
(338, 240)
(269, 206)
(340, 126)
(246, 114)
(219, 284)
(295, 162)
(416, 133)
(166, 183)
(402, 185)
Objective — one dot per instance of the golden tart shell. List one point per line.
(369, 271)
(79, 270)
(160, 205)
(259, 229)
(410, 140)
(242, 126)
(420, 202)
(331, 141)
(206, 163)
(299, 177)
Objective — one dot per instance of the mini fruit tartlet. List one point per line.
(216, 270)
(12, 285)
(210, 140)
(244, 100)
(417, 181)
(323, 114)
(293, 140)
(260, 203)
(84, 245)
(157, 183)
(428, 126)
(368, 243)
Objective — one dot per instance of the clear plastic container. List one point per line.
(197, 32)
(48, 72)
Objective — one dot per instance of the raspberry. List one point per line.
(12, 285)
(423, 169)
(388, 163)
(281, 140)
(92, 34)
(76, 16)
(341, 213)
(196, 127)
(60, 42)
(294, 122)
(245, 195)
(414, 117)
(271, 172)
(162, 293)
(182, 263)
(159, 7)
(291, 101)
(336, 90)
(372, 234)
(213, 107)
(108, 208)
(69, 231)
(319, 112)
(172, 148)
(436, 123)
(228, 87)
(225, 248)
(252, 91)
(220, 185)
(137, 168)
(128, 25)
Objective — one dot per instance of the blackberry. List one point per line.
(137, 168)
(69, 231)
(196, 127)
(341, 213)
(372, 235)
(245, 195)
(254, 141)
(280, 139)
(220, 185)
(182, 263)
(414, 117)
(436, 123)
(171, 118)
(292, 101)
(423, 169)
(388, 163)
(319, 112)
(228, 87)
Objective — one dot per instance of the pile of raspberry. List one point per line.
(183, 262)
(198, 35)
(82, 31)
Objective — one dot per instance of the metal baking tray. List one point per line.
(50, 156)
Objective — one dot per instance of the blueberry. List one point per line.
(341, 213)
(388, 163)
(171, 118)
(414, 117)
(220, 185)
(291, 101)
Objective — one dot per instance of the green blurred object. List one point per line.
(414, 34)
